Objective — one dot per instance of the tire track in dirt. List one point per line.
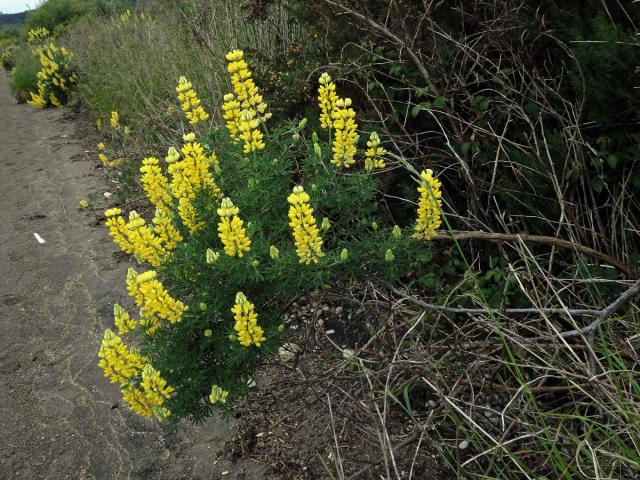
(56, 415)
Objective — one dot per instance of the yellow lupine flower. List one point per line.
(192, 174)
(305, 231)
(145, 244)
(163, 227)
(218, 395)
(118, 230)
(429, 206)
(344, 144)
(136, 399)
(150, 294)
(155, 184)
(245, 109)
(232, 113)
(115, 120)
(189, 216)
(190, 102)
(36, 35)
(231, 230)
(149, 321)
(327, 99)
(133, 287)
(117, 361)
(374, 153)
(172, 155)
(122, 320)
(246, 324)
(155, 387)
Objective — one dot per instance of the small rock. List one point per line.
(464, 444)
(288, 352)
(330, 332)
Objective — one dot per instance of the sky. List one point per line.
(14, 6)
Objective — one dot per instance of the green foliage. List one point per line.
(114, 58)
(259, 185)
(24, 78)
(55, 14)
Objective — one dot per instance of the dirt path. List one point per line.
(58, 417)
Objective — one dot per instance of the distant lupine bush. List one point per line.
(246, 218)
(55, 77)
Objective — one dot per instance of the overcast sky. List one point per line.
(14, 6)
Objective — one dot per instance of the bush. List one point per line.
(24, 78)
(114, 58)
(229, 256)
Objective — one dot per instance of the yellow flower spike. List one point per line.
(84, 204)
(136, 399)
(218, 395)
(327, 99)
(429, 206)
(153, 298)
(211, 257)
(163, 227)
(189, 137)
(344, 144)
(118, 230)
(117, 361)
(246, 324)
(155, 184)
(374, 153)
(145, 243)
(245, 109)
(189, 216)
(172, 155)
(192, 174)
(304, 229)
(122, 320)
(115, 120)
(190, 102)
(155, 387)
(37, 35)
(231, 230)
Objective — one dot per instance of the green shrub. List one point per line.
(24, 78)
(222, 242)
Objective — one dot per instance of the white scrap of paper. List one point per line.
(108, 194)
(39, 238)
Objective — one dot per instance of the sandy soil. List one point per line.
(59, 417)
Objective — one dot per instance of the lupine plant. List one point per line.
(55, 77)
(246, 218)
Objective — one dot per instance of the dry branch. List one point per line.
(523, 237)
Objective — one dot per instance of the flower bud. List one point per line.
(255, 263)
(344, 255)
(212, 257)
(396, 232)
(317, 149)
(208, 332)
(281, 328)
(314, 137)
(203, 306)
(325, 225)
(374, 225)
(296, 137)
(302, 124)
(389, 256)
(274, 252)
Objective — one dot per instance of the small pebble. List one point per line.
(463, 444)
